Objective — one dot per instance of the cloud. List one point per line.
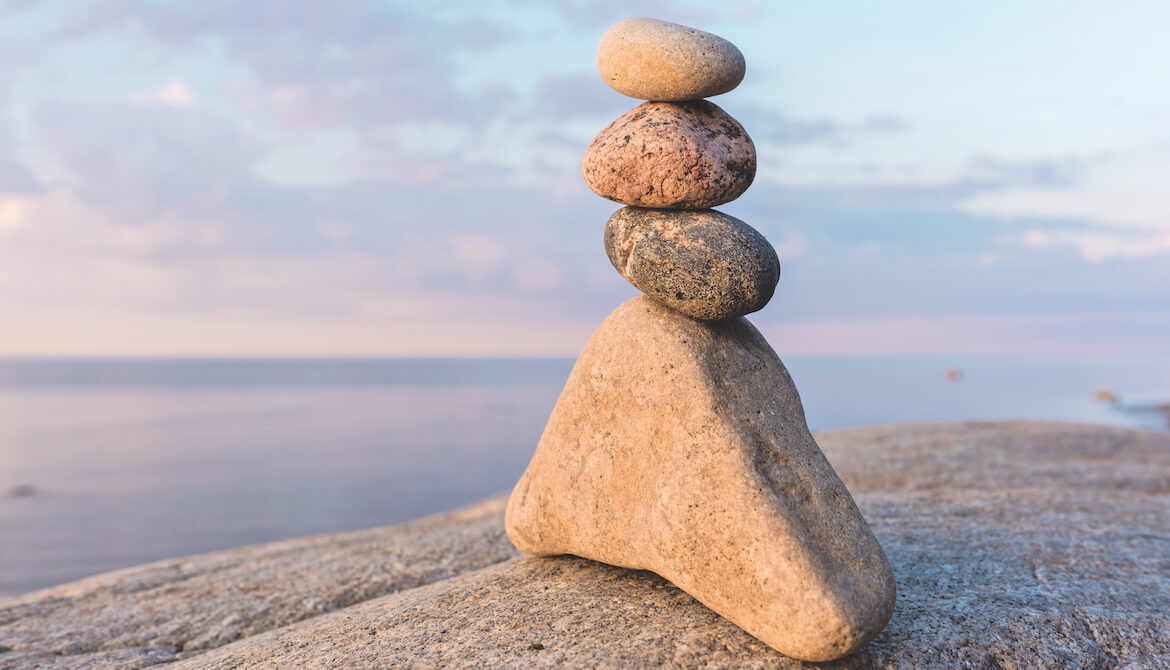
(792, 246)
(1126, 189)
(174, 93)
(337, 232)
(537, 274)
(600, 13)
(770, 125)
(14, 176)
(158, 208)
(566, 96)
(142, 165)
(745, 12)
(343, 65)
(381, 178)
(15, 212)
(1134, 332)
(1042, 173)
(1102, 245)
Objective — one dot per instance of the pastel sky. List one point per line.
(280, 177)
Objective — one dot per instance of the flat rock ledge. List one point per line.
(1014, 545)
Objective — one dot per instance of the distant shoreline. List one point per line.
(1162, 409)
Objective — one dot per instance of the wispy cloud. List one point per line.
(1126, 189)
(174, 93)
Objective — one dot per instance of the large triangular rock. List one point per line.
(680, 446)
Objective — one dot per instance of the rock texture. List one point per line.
(1014, 545)
(689, 155)
(658, 60)
(702, 263)
(680, 446)
(183, 607)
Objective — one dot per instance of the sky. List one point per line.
(285, 178)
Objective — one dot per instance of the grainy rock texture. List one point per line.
(702, 263)
(680, 446)
(658, 60)
(689, 155)
(1014, 545)
(172, 609)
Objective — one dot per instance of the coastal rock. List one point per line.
(650, 59)
(1014, 544)
(183, 607)
(703, 263)
(689, 155)
(680, 447)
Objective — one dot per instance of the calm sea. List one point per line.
(109, 463)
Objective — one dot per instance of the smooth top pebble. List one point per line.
(657, 60)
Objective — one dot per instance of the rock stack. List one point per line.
(679, 443)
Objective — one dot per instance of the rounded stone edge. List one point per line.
(631, 216)
(725, 51)
(592, 165)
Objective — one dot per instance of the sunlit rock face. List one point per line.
(680, 446)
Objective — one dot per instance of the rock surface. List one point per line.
(1013, 545)
(680, 447)
(689, 155)
(658, 60)
(703, 263)
(183, 607)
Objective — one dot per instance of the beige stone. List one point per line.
(658, 60)
(680, 447)
(686, 155)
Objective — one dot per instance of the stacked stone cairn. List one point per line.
(679, 443)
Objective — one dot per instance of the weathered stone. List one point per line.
(1013, 545)
(680, 446)
(689, 155)
(703, 263)
(658, 60)
(183, 607)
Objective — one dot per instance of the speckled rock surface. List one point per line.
(171, 609)
(703, 263)
(1014, 545)
(688, 155)
(658, 60)
(680, 447)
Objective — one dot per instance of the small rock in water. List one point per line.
(658, 60)
(22, 491)
(703, 263)
(1106, 394)
(680, 446)
(688, 155)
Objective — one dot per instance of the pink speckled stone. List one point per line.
(680, 155)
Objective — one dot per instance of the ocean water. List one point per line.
(109, 463)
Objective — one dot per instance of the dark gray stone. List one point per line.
(703, 263)
(1014, 545)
